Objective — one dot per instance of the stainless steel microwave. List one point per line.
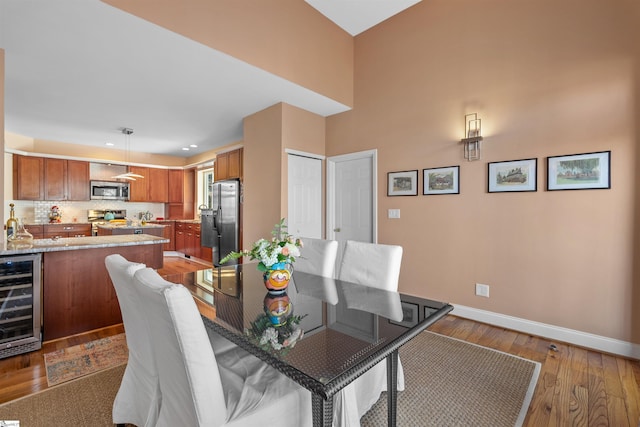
(108, 190)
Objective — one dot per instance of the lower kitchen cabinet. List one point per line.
(65, 230)
(188, 240)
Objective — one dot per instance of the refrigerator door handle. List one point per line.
(215, 219)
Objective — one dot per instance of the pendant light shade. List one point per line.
(127, 142)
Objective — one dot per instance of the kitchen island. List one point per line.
(77, 294)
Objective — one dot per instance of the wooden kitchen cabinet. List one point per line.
(66, 230)
(228, 165)
(158, 182)
(66, 179)
(180, 237)
(181, 201)
(188, 240)
(28, 177)
(78, 180)
(154, 187)
(43, 178)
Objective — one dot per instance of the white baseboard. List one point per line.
(571, 336)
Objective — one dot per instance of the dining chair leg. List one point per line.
(392, 388)
(322, 411)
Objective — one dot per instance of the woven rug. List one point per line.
(85, 402)
(449, 382)
(80, 360)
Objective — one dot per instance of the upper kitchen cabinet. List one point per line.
(228, 165)
(181, 194)
(38, 178)
(154, 187)
(66, 180)
(28, 177)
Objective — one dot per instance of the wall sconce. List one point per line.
(473, 136)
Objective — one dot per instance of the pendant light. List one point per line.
(127, 142)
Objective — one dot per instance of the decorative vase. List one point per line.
(278, 308)
(276, 278)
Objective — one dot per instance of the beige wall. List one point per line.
(2, 135)
(262, 173)
(547, 78)
(267, 135)
(285, 37)
(55, 148)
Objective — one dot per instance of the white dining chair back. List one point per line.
(317, 256)
(200, 388)
(138, 399)
(374, 265)
(371, 264)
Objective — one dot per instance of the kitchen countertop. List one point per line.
(76, 243)
(147, 225)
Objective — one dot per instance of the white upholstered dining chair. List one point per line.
(138, 399)
(200, 388)
(317, 256)
(375, 265)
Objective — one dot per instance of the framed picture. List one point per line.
(402, 183)
(441, 180)
(586, 171)
(513, 176)
(409, 315)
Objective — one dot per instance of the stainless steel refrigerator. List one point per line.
(220, 227)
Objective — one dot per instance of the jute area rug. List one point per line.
(83, 359)
(448, 383)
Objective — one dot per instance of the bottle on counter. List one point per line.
(21, 238)
(12, 222)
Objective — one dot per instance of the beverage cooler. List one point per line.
(20, 313)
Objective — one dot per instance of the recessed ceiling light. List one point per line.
(185, 148)
(193, 146)
(109, 144)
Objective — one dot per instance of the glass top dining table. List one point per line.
(323, 333)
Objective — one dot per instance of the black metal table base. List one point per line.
(322, 410)
(392, 388)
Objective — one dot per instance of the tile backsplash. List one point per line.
(37, 212)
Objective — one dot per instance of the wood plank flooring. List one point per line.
(576, 387)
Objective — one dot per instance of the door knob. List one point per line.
(337, 230)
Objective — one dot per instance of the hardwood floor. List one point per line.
(576, 387)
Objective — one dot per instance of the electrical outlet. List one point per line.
(482, 290)
(394, 213)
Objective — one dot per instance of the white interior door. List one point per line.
(305, 196)
(351, 198)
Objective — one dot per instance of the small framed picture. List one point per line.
(409, 315)
(513, 176)
(586, 171)
(441, 180)
(402, 183)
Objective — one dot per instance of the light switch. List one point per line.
(394, 213)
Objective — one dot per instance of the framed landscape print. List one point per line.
(441, 180)
(402, 183)
(513, 175)
(586, 171)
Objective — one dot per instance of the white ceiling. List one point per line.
(80, 71)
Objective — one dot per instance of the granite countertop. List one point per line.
(76, 243)
(147, 225)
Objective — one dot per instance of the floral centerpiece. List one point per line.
(275, 256)
(280, 250)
